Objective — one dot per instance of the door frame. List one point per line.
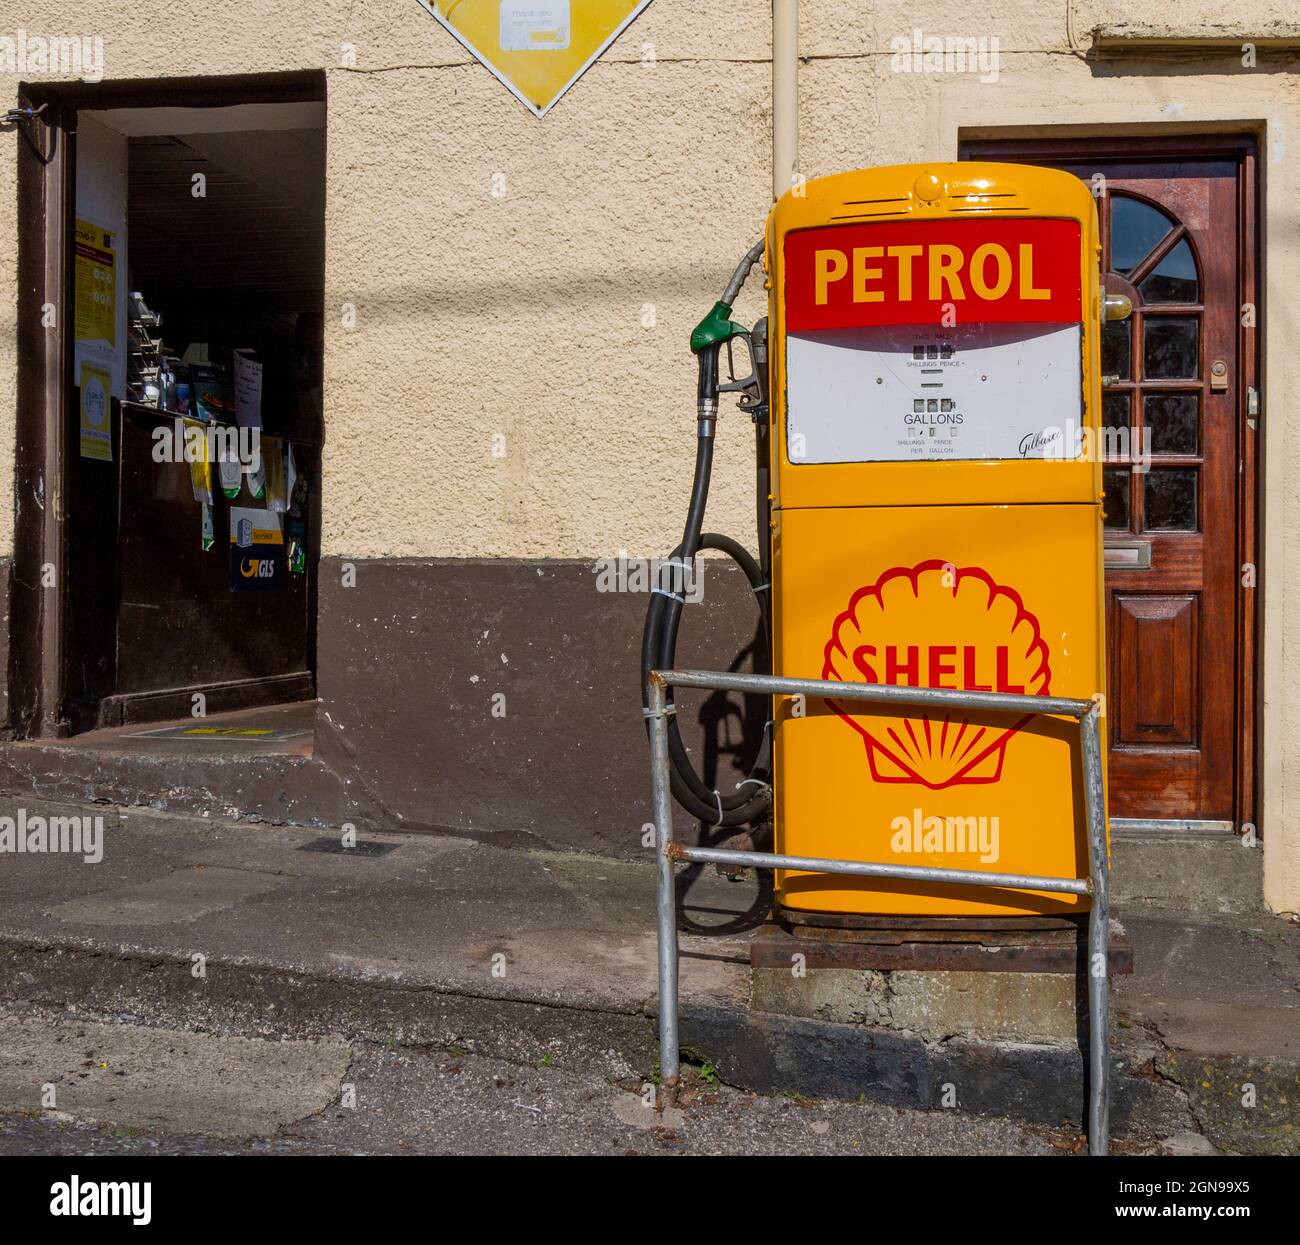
(39, 650)
(38, 582)
(1243, 147)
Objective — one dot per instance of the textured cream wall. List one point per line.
(522, 314)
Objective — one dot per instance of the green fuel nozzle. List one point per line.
(716, 327)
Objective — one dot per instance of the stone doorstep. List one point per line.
(1037, 947)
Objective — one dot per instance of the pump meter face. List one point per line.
(912, 341)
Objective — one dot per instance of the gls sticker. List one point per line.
(257, 568)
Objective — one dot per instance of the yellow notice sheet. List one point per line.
(96, 411)
(96, 284)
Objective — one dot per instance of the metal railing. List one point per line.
(1095, 886)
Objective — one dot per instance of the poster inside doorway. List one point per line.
(96, 286)
(96, 413)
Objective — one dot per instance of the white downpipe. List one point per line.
(785, 95)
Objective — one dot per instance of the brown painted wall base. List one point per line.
(503, 696)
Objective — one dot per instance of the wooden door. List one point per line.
(1175, 379)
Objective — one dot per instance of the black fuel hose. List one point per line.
(751, 801)
(752, 798)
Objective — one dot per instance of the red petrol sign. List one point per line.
(933, 272)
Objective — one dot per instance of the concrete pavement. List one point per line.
(546, 959)
(127, 1089)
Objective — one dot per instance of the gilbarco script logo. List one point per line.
(916, 627)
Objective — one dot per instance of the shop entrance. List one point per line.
(183, 244)
(1180, 390)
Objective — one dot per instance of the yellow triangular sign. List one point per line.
(538, 48)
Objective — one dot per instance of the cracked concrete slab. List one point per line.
(1243, 1105)
(132, 1077)
(1217, 988)
(175, 898)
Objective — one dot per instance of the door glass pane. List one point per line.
(1173, 279)
(1171, 348)
(1174, 421)
(1116, 351)
(1135, 228)
(1114, 481)
(1115, 415)
(1115, 410)
(1170, 500)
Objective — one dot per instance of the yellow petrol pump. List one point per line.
(936, 522)
(929, 489)
(925, 398)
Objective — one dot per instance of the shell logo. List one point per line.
(937, 625)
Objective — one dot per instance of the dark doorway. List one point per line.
(199, 221)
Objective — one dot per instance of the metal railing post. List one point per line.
(1087, 713)
(1098, 937)
(666, 888)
